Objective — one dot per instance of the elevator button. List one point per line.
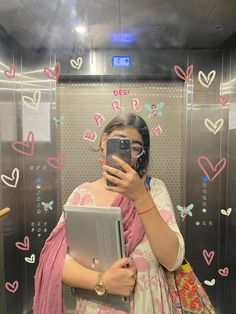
(37, 179)
(38, 186)
(45, 229)
(39, 235)
(32, 229)
(39, 223)
(39, 211)
(39, 230)
(32, 224)
(45, 223)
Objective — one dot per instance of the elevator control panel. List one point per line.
(40, 201)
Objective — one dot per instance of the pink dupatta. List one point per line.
(48, 298)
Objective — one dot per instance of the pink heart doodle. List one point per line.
(208, 256)
(54, 72)
(223, 99)
(223, 271)
(12, 287)
(11, 71)
(221, 164)
(56, 162)
(24, 246)
(26, 144)
(184, 75)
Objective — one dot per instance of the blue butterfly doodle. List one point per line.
(58, 121)
(155, 110)
(185, 210)
(47, 206)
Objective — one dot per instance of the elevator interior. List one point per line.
(64, 61)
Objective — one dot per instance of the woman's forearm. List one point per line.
(78, 276)
(163, 241)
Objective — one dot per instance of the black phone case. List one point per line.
(113, 148)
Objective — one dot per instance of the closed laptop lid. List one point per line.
(94, 235)
(95, 240)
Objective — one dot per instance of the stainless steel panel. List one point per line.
(208, 229)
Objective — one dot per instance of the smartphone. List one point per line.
(120, 147)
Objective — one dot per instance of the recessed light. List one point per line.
(81, 29)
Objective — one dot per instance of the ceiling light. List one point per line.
(80, 29)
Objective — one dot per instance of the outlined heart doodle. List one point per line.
(217, 169)
(53, 73)
(206, 81)
(23, 246)
(12, 287)
(210, 283)
(11, 72)
(208, 256)
(56, 162)
(32, 102)
(184, 75)
(226, 212)
(76, 63)
(224, 271)
(223, 99)
(30, 259)
(28, 144)
(13, 179)
(214, 128)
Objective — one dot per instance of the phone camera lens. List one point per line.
(124, 144)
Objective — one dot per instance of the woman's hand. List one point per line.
(127, 182)
(119, 280)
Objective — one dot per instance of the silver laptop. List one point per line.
(95, 240)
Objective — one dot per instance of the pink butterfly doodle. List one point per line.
(184, 75)
(11, 72)
(223, 271)
(56, 162)
(26, 144)
(23, 246)
(217, 169)
(12, 287)
(208, 256)
(223, 99)
(53, 73)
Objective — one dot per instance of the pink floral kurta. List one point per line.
(151, 291)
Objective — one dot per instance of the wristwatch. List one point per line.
(99, 288)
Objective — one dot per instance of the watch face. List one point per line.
(100, 289)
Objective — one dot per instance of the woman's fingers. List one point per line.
(116, 172)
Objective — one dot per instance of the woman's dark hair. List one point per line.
(123, 120)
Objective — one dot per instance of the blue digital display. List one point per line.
(121, 61)
(124, 37)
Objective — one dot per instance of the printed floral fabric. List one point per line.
(151, 294)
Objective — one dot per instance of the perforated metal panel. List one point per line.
(78, 102)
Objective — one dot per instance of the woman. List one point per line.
(152, 237)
